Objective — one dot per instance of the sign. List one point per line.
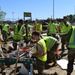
(27, 14)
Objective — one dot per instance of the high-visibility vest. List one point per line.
(52, 28)
(38, 27)
(72, 38)
(65, 29)
(42, 43)
(50, 41)
(18, 34)
(5, 27)
(28, 34)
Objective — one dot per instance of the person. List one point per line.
(52, 45)
(38, 26)
(41, 28)
(18, 33)
(5, 31)
(71, 50)
(52, 29)
(0, 32)
(40, 52)
(34, 25)
(27, 31)
(0, 28)
(65, 27)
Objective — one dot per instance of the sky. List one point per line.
(40, 9)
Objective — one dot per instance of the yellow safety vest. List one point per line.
(50, 41)
(39, 27)
(52, 28)
(18, 34)
(65, 29)
(5, 27)
(72, 38)
(41, 42)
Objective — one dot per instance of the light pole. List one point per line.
(74, 9)
(53, 9)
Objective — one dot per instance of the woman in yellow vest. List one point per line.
(40, 52)
(71, 50)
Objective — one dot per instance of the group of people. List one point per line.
(67, 34)
(44, 51)
(45, 46)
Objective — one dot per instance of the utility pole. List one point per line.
(74, 9)
(53, 9)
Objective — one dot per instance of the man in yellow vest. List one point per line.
(52, 46)
(18, 33)
(0, 28)
(71, 50)
(38, 26)
(40, 52)
(52, 28)
(65, 27)
(27, 31)
(5, 31)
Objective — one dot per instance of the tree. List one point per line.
(71, 18)
(2, 15)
